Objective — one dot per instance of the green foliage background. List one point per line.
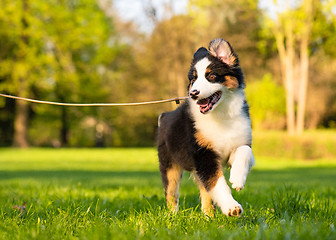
(267, 103)
(82, 51)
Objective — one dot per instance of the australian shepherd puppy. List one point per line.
(212, 128)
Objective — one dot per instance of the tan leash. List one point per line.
(177, 100)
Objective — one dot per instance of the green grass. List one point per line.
(117, 194)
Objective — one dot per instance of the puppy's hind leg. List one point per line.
(171, 175)
(241, 161)
(206, 203)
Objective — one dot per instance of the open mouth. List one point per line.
(206, 104)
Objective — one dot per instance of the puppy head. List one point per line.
(214, 72)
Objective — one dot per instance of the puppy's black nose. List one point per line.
(194, 94)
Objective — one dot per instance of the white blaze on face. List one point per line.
(201, 84)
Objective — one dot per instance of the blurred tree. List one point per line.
(59, 50)
(157, 70)
(287, 31)
(21, 59)
(79, 33)
(293, 27)
(168, 53)
(321, 103)
(21, 108)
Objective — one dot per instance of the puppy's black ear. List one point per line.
(222, 50)
(200, 53)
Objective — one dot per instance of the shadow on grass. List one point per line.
(306, 175)
(45, 174)
(92, 179)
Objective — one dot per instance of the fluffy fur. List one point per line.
(212, 128)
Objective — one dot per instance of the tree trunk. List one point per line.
(284, 35)
(286, 55)
(21, 107)
(304, 66)
(64, 128)
(290, 76)
(20, 124)
(304, 71)
(290, 106)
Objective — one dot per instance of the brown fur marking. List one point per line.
(206, 205)
(232, 59)
(174, 177)
(231, 82)
(202, 141)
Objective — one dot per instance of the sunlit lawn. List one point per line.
(117, 194)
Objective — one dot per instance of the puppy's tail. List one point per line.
(160, 118)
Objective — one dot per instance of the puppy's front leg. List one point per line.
(214, 182)
(221, 195)
(241, 162)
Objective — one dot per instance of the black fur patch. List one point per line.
(177, 145)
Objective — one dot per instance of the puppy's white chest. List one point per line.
(227, 126)
(225, 135)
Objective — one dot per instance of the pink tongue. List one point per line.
(205, 108)
(203, 102)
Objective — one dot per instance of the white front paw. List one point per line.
(240, 166)
(237, 179)
(221, 195)
(232, 209)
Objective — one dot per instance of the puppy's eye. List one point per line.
(212, 77)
